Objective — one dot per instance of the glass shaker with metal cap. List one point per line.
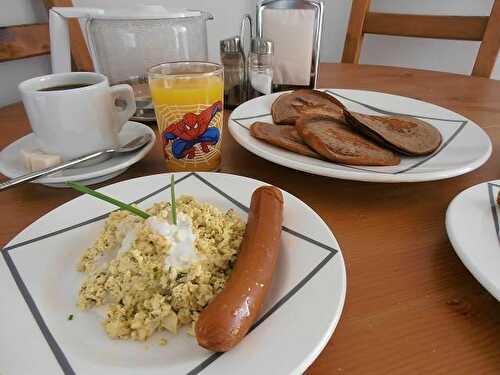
(260, 67)
(233, 59)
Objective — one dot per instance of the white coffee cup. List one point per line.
(72, 122)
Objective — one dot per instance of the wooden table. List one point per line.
(412, 307)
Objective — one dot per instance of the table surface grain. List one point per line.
(411, 307)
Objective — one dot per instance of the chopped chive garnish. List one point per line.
(70, 317)
(122, 205)
(172, 198)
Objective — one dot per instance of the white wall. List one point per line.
(451, 56)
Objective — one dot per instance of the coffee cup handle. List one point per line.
(123, 104)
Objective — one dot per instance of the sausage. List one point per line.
(227, 319)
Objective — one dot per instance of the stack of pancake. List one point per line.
(315, 124)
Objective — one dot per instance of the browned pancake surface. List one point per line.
(288, 107)
(339, 143)
(283, 136)
(407, 135)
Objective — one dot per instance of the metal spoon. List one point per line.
(133, 145)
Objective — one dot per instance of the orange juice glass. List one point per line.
(188, 101)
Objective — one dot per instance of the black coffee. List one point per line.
(66, 87)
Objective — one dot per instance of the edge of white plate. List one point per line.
(461, 251)
(87, 182)
(338, 314)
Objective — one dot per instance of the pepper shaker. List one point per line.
(233, 60)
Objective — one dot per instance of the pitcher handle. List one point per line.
(59, 34)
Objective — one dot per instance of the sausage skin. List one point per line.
(230, 315)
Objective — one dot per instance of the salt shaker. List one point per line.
(232, 58)
(260, 68)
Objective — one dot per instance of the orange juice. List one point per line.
(189, 111)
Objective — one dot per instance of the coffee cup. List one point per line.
(74, 114)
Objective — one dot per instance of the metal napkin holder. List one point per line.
(317, 6)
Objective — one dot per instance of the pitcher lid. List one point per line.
(145, 12)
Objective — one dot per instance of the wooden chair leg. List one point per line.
(488, 51)
(354, 36)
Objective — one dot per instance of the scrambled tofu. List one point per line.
(126, 270)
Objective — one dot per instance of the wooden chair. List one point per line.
(483, 29)
(23, 41)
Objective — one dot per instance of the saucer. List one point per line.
(12, 164)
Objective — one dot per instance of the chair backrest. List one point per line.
(23, 41)
(477, 28)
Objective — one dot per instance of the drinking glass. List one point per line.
(188, 101)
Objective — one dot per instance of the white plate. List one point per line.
(39, 287)
(12, 165)
(472, 223)
(465, 145)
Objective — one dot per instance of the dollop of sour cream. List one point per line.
(129, 231)
(181, 237)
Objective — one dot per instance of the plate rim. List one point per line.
(460, 250)
(335, 251)
(360, 175)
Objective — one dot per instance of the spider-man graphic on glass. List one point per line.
(187, 97)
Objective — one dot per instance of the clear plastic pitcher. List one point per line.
(124, 43)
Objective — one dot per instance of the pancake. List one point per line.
(407, 135)
(284, 136)
(288, 107)
(337, 142)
